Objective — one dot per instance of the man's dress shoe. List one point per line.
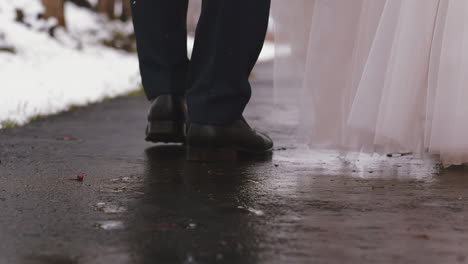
(166, 120)
(221, 143)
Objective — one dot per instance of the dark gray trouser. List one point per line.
(228, 41)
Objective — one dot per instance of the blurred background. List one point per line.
(59, 54)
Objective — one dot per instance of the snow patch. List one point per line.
(47, 75)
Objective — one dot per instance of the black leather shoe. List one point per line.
(221, 143)
(166, 120)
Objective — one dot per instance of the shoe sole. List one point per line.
(165, 132)
(220, 155)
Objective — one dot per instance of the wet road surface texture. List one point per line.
(143, 203)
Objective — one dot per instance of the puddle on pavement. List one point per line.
(357, 165)
(110, 208)
(190, 260)
(127, 179)
(251, 210)
(192, 226)
(110, 225)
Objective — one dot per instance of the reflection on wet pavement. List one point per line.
(143, 203)
(305, 204)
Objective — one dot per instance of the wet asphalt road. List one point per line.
(143, 203)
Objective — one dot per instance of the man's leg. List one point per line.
(229, 38)
(161, 32)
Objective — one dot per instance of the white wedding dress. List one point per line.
(385, 76)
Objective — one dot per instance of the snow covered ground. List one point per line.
(47, 75)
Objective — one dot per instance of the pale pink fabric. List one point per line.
(378, 75)
(193, 14)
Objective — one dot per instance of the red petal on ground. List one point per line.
(421, 236)
(67, 138)
(80, 177)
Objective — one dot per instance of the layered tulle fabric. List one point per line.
(379, 76)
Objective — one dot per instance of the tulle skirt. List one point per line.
(385, 76)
